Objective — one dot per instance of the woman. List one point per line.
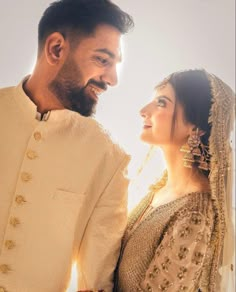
(178, 237)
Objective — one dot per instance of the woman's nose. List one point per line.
(144, 111)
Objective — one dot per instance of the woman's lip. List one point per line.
(146, 126)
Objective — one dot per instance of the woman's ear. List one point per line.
(54, 48)
(198, 131)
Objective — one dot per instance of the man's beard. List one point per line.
(74, 98)
(70, 94)
(81, 103)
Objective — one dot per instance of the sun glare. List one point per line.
(73, 280)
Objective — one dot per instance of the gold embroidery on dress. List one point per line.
(185, 231)
(197, 258)
(182, 288)
(165, 265)
(166, 284)
(183, 251)
(182, 272)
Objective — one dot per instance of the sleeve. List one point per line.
(101, 243)
(178, 260)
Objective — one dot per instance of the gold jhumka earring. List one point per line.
(196, 152)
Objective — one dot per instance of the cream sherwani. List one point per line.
(62, 198)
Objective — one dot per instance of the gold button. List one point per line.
(4, 269)
(14, 221)
(9, 244)
(2, 289)
(31, 154)
(20, 200)
(37, 136)
(25, 176)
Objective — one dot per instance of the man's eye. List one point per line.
(102, 61)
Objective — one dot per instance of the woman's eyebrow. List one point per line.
(164, 96)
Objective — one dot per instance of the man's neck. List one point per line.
(40, 96)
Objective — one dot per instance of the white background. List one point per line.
(169, 35)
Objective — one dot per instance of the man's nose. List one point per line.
(110, 76)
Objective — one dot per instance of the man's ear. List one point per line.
(54, 48)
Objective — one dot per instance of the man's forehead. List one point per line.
(105, 39)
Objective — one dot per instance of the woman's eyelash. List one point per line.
(161, 102)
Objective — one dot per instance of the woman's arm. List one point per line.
(178, 260)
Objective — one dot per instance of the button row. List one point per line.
(20, 200)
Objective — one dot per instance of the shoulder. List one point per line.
(198, 202)
(7, 100)
(9, 95)
(16, 90)
(6, 91)
(198, 212)
(100, 137)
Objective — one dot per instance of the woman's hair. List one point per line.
(193, 93)
(81, 16)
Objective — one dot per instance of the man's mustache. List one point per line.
(99, 84)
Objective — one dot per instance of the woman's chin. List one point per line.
(144, 138)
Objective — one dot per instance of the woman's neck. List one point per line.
(180, 178)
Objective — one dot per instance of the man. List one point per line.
(62, 183)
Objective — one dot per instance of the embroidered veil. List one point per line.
(221, 118)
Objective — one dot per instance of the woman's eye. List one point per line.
(161, 102)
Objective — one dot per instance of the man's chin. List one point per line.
(83, 104)
(85, 111)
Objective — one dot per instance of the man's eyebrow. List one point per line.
(164, 96)
(108, 52)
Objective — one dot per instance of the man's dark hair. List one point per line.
(81, 16)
